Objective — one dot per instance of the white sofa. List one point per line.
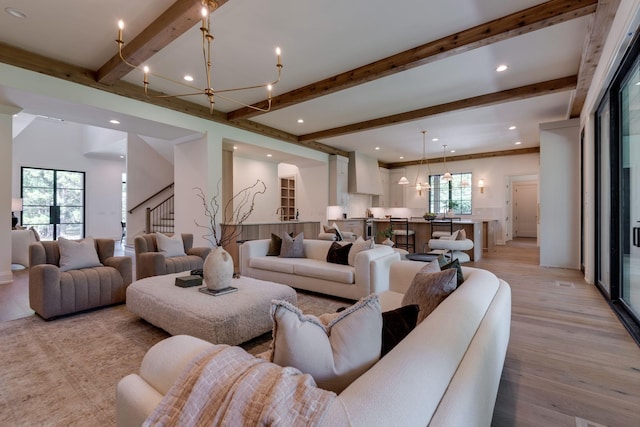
(370, 273)
(446, 372)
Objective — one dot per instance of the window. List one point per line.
(455, 194)
(53, 202)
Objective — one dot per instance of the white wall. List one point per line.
(245, 173)
(560, 194)
(197, 164)
(55, 145)
(147, 173)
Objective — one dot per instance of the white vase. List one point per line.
(217, 270)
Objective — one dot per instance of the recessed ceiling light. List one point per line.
(518, 142)
(300, 120)
(453, 151)
(269, 155)
(435, 139)
(16, 13)
(512, 128)
(501, 68)
(188, 78)
(377, 148)
(122, 157)
(114, 121)
(401, 157)
(235, 147)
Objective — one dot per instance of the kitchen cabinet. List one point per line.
(396, 191)
(338, 180)
(382, 200)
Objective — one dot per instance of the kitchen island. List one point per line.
(263, 230)
(480, 231)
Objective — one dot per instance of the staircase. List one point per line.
(161, 217)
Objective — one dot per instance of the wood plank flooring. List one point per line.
(570, 362)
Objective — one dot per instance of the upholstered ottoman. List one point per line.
(226, 319)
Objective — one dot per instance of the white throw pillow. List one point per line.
(76, 255)
(334, 349)
(358, 246)
(171, 246)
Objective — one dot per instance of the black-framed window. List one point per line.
(53, 202)
(455, 194)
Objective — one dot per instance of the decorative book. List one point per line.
(188, 281)
(218, 292)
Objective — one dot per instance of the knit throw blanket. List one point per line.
(227, 386)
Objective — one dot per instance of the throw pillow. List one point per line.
(396, 324)
(339, 254)
(462, 235)
(275, 245)
(292, 247)
(171, 246)
(455, 264)
(334, 349)
(428, 290)
(76, 255)
(358, 246)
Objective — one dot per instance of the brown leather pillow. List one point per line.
(428, 290)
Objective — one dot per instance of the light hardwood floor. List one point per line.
(570, 362)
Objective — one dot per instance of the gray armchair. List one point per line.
(151, 262)
(53, 292)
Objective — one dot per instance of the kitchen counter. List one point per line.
(481, 231)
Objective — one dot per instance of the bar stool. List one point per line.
(400, 228)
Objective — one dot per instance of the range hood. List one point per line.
(364, 174)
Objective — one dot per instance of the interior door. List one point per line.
(525, 209)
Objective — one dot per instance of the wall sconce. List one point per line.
(481, 186)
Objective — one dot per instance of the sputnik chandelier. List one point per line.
(208, 6)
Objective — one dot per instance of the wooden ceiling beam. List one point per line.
(487, 155)
(515, 94)
(522, 22)
(594, 43)
(175, 21)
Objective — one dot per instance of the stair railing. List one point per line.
(160, 218)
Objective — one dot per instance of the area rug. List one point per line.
(64, 372)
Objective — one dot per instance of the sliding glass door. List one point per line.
(53, 202)
(629, 193)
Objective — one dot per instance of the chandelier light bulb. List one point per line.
(204, 12)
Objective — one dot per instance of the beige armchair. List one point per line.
(53, 292)
(151, 262)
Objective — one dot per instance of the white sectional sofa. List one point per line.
(369, 274)
(446, 372)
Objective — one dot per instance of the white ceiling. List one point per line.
(319, 40)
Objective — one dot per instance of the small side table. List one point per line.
(420, 256)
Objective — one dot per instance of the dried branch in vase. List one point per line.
(240, 206)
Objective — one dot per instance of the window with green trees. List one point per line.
(53, 202)
(454, 195)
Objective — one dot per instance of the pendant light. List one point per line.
(447, 175)
(419, 185)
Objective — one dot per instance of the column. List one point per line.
(6, 168)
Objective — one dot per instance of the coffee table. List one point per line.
(226, 319)
(420, 256)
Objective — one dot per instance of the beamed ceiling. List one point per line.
(364, 76)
